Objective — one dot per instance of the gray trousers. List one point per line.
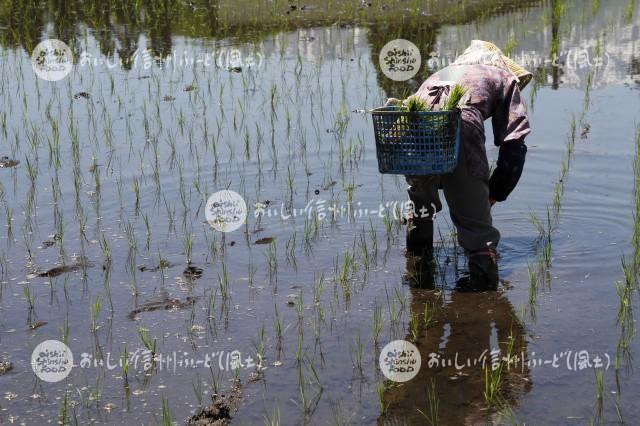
(468, 200)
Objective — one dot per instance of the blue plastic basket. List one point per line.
(416, 143)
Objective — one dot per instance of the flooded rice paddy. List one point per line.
(105, 175)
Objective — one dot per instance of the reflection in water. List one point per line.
(557, 31)
(456, 333)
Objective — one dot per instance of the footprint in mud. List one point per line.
(162, 302)
(6, 162)
(79, 263)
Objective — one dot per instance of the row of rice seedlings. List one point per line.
(545, 231)
(636, 204)
(433, 408)
(494, 380)
(625, 319)
(137, 190)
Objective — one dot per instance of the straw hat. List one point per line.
(524, 76)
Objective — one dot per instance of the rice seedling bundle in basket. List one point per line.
(415, 139)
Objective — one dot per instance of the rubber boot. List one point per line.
(420, 272)
(483, 272)
(420, 237)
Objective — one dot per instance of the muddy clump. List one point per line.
(219, 412)
(37, 324)
(79, 263)
(5, 367)
(83, 95)
(192, 272)
(162, 302)
(162, 265)
(6, 162)
(265, 240)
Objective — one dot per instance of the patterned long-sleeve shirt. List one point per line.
(492, 92)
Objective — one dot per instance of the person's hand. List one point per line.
(393, 102)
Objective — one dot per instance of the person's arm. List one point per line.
(510, 126)
(508, 170)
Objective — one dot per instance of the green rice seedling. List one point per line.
(339, 418)
(310, 404)
(414, 326)
(625, 318)
(95, 314)
(347, 267)
(235, 375)
(188, 247)
(428, 315)
(251, 274)
(377, 321)
(636, 205)
(547, 242)
(136, 192)
(30, 297)
(616, 405)
(278, 324)
(600, 385)
(9, 222)
(358, 353)
(492, 385)
(4, 268)
(300, 308)
(223, 283)
(272, 260)
(64, 410)
(166, 414)
(147, 341)
(106, 249)
(364, 250)
(533, 288)
(433, 409)
(628, 13)
(273, 419)
(290, 249)
(125, 366)
(512, 43)
(260, 345)
(299, 347)
(455, 98)
(380, 390)
(130, 233)
(373, 236)
(64, 331)
(147, 226)
(416, 104)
